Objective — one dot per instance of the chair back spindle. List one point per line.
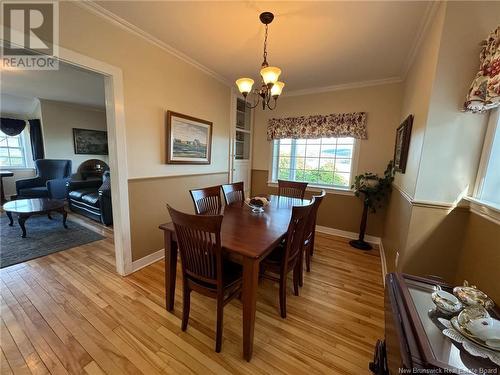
(234, 192)
(198, 239)
(291, 189)
(207, 200)
(311, 220)
(295, 234)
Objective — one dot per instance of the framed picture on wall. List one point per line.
(189, 139)
(403, 134)
(91, 142)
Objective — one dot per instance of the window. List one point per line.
(322, 162)
(13, 150)
(488, 182)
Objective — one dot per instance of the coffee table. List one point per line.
(25, 208)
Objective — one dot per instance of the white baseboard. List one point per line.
(147, 260)
(383, 260)
(343, 233)
(352, 235)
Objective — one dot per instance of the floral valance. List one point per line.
(318, 126)
(484, 93)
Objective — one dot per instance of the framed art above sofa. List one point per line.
(91, 142)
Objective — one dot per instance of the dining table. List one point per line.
(247, 237)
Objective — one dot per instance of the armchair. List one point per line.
(50, 181)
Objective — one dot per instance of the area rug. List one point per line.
(44, 236)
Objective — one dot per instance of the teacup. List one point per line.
(445, 302)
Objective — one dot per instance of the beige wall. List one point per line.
(154, 81)
(434, 241)
(382, 105)
(444, 154)
(454, 139)
(479, 262)
(417, 90)
(58, 121)
(395, 230)
(148, 200)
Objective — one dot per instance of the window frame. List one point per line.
(336, 189)
(26, 149)
(481, 207)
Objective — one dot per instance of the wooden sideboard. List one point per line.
(413, 340)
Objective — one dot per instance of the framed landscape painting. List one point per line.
(91, 142)
(189, 139)
(403, 134)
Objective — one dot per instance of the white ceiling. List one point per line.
(68, 84)
(316, 44)
(17, 105)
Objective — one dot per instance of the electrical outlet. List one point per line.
(397, 259)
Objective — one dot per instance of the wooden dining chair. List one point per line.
(286, 257)
(234, 192)
(309, 235)
(204, 270)
(207, 200)
(292, 189)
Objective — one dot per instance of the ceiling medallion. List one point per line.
(271, 88)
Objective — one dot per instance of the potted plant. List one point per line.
(373, 190)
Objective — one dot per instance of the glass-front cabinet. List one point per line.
(241, 143)
(243, 131)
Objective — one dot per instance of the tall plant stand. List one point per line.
(360, 243)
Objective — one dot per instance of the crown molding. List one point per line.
(343, 86)
(120, 22)
(430, 12)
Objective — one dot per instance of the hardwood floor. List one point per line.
(70, 312)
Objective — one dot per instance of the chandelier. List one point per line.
(271, 88)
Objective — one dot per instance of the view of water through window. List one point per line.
(323, 161)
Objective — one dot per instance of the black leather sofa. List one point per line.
(92, 198)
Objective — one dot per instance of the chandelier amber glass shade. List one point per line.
(270, 74)
(244, 85)
(277, 88)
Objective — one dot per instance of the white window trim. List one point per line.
(481, 207)
(28, 156)
(330, 189)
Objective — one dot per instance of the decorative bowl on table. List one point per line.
(257, 204)
(471, 296)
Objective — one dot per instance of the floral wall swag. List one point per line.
(484, 93)
(318, 126)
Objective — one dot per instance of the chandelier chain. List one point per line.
(265, 47)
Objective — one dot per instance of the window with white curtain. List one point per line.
(488, 181)
(325, 162)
